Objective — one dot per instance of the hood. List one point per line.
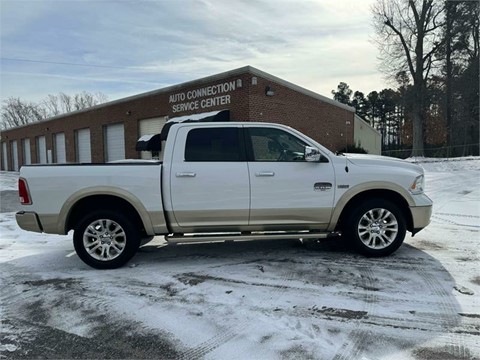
(378, 160)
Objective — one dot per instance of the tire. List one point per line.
(105, 239)
(376, 228)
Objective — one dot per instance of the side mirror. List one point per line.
(311, 154)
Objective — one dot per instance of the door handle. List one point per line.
(185, 174)
(265, 173)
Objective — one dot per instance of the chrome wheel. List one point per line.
(378, 228)
(104, 239)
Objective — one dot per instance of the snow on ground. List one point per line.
(254, 300)
(9, 180)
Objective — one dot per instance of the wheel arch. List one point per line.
(386, 194)
(78, 205)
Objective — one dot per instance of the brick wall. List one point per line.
(320, 120)
(330, 125)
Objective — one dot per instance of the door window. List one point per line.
(214, 144)
(269, 144)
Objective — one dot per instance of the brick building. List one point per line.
(110, 131)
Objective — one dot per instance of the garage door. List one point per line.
(4, 157)
(27, 159)
(82, 140)
(41, 150)
(60, 154)
(15, 155)
(115, 142)
(151, 127)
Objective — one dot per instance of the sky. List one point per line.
(127, 47)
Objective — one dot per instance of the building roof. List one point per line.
(205, 80)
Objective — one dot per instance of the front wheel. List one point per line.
(105, 239)
(376, 228)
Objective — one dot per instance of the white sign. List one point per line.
(202, 98)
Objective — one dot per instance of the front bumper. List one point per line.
(28, 221)
(421, 212)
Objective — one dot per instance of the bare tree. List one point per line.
(16, 112)
(408, 38)
(51, 105)
(63, 103)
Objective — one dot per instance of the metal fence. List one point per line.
(432, 151)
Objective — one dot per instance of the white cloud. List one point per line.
(315, 44)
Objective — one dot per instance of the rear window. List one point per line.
(214, 144)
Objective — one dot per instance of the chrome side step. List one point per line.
(182, 238)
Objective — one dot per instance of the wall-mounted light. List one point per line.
(269, 91)
(128, 113)
(239, 83)
(254, 80)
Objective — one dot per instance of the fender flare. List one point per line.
(364, 187)
(103, 190)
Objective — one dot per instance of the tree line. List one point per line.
(430, 51)
(17, 112)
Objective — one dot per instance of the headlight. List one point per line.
(418, 185)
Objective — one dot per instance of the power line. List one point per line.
(67, 63)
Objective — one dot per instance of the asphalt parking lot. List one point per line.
(272, 299)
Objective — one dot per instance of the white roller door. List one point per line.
(4, 157)
(84, 152)
(115, 142)
(27, 158)
(60, 152)
(41, 150)
(15, 155)
(151, 127)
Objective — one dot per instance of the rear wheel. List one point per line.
(106, 239)
(376, 228)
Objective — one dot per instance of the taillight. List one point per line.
(23, 192)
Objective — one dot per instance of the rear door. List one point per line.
(286, 189)
(209, 180)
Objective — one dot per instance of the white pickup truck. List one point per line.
(225, 181)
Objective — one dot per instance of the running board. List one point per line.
(180, 238)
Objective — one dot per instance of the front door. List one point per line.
(285, 189)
